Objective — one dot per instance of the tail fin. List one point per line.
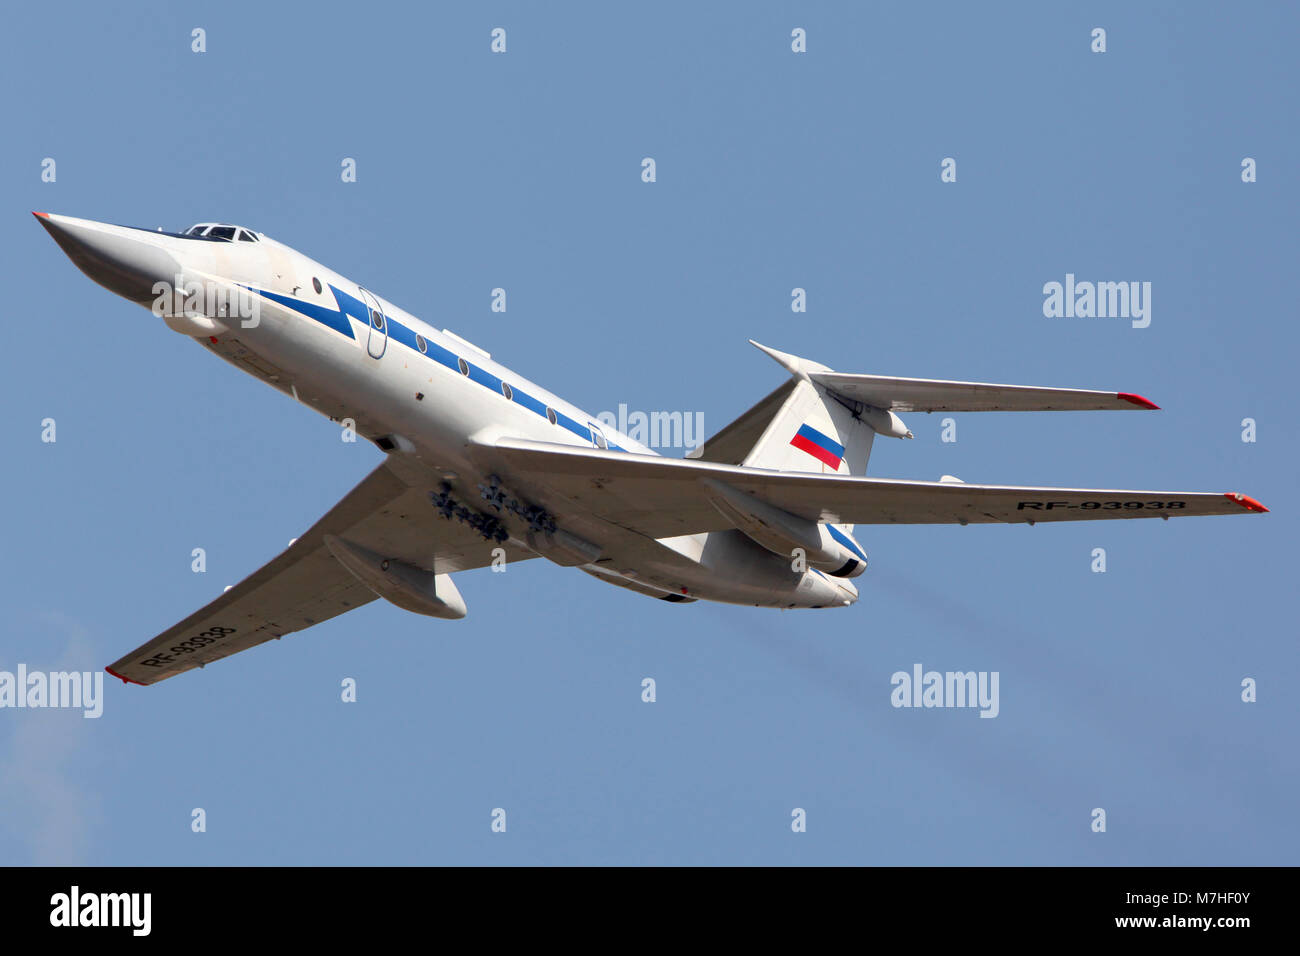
(813, 431)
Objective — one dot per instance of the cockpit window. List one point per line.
(218, 231)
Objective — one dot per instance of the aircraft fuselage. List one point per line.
(421, 394)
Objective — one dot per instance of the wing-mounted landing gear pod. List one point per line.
(399, 583)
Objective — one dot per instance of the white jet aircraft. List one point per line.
(484, 465)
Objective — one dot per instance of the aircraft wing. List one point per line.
(305, 585)
(663, 497)
(934, 395)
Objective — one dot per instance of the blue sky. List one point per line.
(775, 170)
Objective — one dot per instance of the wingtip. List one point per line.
(124, 680)
(1246, 501)
(1137, 400)
(41, 215)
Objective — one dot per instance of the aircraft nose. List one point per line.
(122, 259)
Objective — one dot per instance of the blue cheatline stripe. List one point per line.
(530, 403)
(845, 540)
(484, 378)
(400, 333)
(443, 356)
(566, 422)
(350, 305)
(337, 319)
(825, 441)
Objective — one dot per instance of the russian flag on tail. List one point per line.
(822, 447)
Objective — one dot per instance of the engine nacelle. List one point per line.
(399, 583)
(825, 548)
(854, 557)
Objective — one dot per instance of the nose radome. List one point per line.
(123, 260)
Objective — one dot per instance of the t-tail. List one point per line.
(824, 422)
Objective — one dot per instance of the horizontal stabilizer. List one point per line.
(933, 395)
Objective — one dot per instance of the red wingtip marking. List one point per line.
(1137, 400)
(41, 215)
(125, 680)
(1246, 501)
